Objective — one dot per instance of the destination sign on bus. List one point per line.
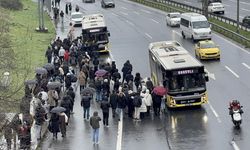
(187, 71)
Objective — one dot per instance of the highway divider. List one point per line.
(220, 24)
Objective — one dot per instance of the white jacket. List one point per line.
(148, 98)
(143, 107)
(61, 52)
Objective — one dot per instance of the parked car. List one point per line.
(246, 21)
(207, 49)
(76, 18)
(173, 19)
(216, 8)
(107, 3)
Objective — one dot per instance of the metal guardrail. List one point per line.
(210, 15)
(171, 8)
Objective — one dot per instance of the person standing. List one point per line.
(66, 103)
(137, 102)
(113, 102)
(149, 85)
(63, 121)
(85, 103)
(137, 81)
(130, 105)
(82, 80)
(148, 101)
(52, 99)
(156, 103)
(61, 54)
(39, 120)
(94, 122)
(105, 105)
(54, 122)
(48, 54)
(121, 104)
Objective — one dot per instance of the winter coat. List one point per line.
(113, 100)
(39, 115)
(94, 122)
(121, 101)
(52, 97)
(143, 107)
(54, 121)
(61, 52)
(68, 81)
(129, 77)
(137, 102)
(63, 121)
(148, 98)
(137, 80)
(85, 102)
(156, 100)
(82, 78)
(116, 75)
(66, 103)
(149, 85)
(105, 106)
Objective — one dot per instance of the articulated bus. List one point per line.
(182, 75)
(95, 32)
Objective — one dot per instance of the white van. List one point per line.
(195, 26)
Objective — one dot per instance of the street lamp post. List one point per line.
(238, 16)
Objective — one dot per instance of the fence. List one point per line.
(174, 6)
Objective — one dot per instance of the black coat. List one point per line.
(85, 102)
(121, 101)
(39, 115)
(113, 101)
(54, 121)
(66, 103)
(105, 106)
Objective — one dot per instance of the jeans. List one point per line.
(98, 95)
(38, 129)
(95, 135)
(86, 112)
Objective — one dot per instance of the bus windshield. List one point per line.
(97, 38)
(200, 24)
(189, 82)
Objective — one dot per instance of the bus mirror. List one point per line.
(206, 77)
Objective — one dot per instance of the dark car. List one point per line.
(246, 21)
(108, 3)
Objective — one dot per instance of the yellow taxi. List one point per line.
(207, 50)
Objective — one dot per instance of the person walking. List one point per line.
(156, 103)
(68, 81)
(54, 123)
(137, 81)
(130, 105)
(98, 85)
(77, 8)
(71, 93)
(121, 104)
(66, 103)
(82, 80)
(70, 8)
(8, 134)
(105, 105)
(61, 15)
(94, 122)
(85, 103)
(63, 121)
(148, 101)
(149, 84)
(137, 102)
(48, 54)
(39, 118)
(52, 99)
(113, 102)
(61, 54)
(67, 9)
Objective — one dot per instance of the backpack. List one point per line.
(137, 101)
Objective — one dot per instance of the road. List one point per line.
(132, 28)
(230, 7)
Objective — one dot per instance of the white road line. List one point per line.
(114, 14)
(148, 35)
(245, 9)
(245, 3)
(227, 5)
(244, 64)
(123, 13)
(119, 133)
(136, 12)
(124, 8)
(154, 21)
(214, 112)
(235, 146)
(232, 44)
(145, 11)
(210, 75)
(129, 22)
(235, 74)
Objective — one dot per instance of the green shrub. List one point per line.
(11, 4)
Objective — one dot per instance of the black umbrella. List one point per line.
(30, 82)
(53, 85)
(49, 66)
(88, 90)
(57, 109)
(41, 70)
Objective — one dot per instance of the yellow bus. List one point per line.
(182, 75)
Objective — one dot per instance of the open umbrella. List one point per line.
(88, 90)
(57, 109)
(41, 70)
(53, 85)
(160, 90)
(49, 66)
(30, 82)
(100, 72)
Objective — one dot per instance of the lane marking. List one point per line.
(235, 146)
(214, 112)
(148, 35)
(244, 64)
(245, 9)
(227, 5)
(124, 8)
(114, 14)
(136, 12)
(119, 133)
(145, 11)
(129, 22)
(235, 74)
(123, 13)
(224, 39)
(154, 21)
(211, 75)
(245, 3)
